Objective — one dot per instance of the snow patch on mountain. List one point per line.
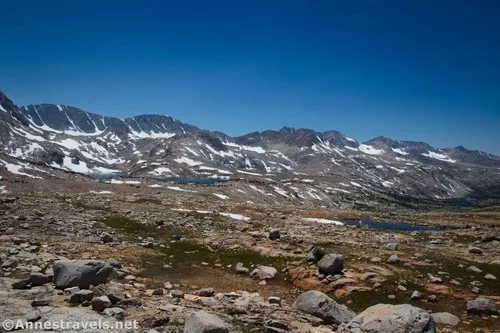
(188, 161)
(259, 150)
(399, 151)
(367, 149)
(438, 156)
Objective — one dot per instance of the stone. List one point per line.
(445, 318)
(81, 273)
(388, 318)
(81, 296)
(490, 277)
(331, 264)
(376, 259)
(416, 295)
(432, 298)
(481, 306)
(106, 237)
(473, 269)
(475, 250)
(264, 272)
(205, 292)
(177, 293)
(204, 322)
(158, 292)
(391, 246)
(40, 302)
(21, 284)
(320, 305)
(117, 313)
(393, 259)
(274, 234)
(101, 303)
(154, 321)
(240, 269)
(129, 302)
(39, 279)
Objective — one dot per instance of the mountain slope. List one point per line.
(293, 164)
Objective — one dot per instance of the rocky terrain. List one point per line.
(317, 241)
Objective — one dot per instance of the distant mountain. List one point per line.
(71, 139)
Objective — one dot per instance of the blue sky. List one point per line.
(418, 70)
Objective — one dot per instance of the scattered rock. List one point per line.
(204, 322)
(101, 303)
(274, 234)
(432, 298)
(264, 272)
(331, 264)
(320, 305)
(39, 279)
(106, 238)
(117, 313)
(445, 318)
(481, 306)
(474, 269)
(393, 259)
(475, 250)
(490, 277)
(206, 292)
(81, 296)
(416, 295)
(386, 318)
(391, 246)
(240, 269)
(81, 273)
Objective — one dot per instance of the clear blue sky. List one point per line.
(411, 69)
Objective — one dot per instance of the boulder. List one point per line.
(388, 318)
(240, 269)
(481, 306)
(274, 234)
(264, 272)
(394, 259)
(101, 303)
(331, 264)
(39, 279)
(205, 292)
(81, 296)
(320, 305)
(445, 318)
(475, 250)
(204, 322)
(80, 273)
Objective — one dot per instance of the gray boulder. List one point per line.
(482, 305)
(331, 264)
(81, 296)
(388, 318)
(39, 279)
(204, 322)
(80, 273)
(445, 318)
(320, 305)
(274, 234)
(264, 272)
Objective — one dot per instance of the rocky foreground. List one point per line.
(189, 264)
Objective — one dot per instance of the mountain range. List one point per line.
(296, 164)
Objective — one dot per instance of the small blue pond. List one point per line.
(192, 180)
(399, 226)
